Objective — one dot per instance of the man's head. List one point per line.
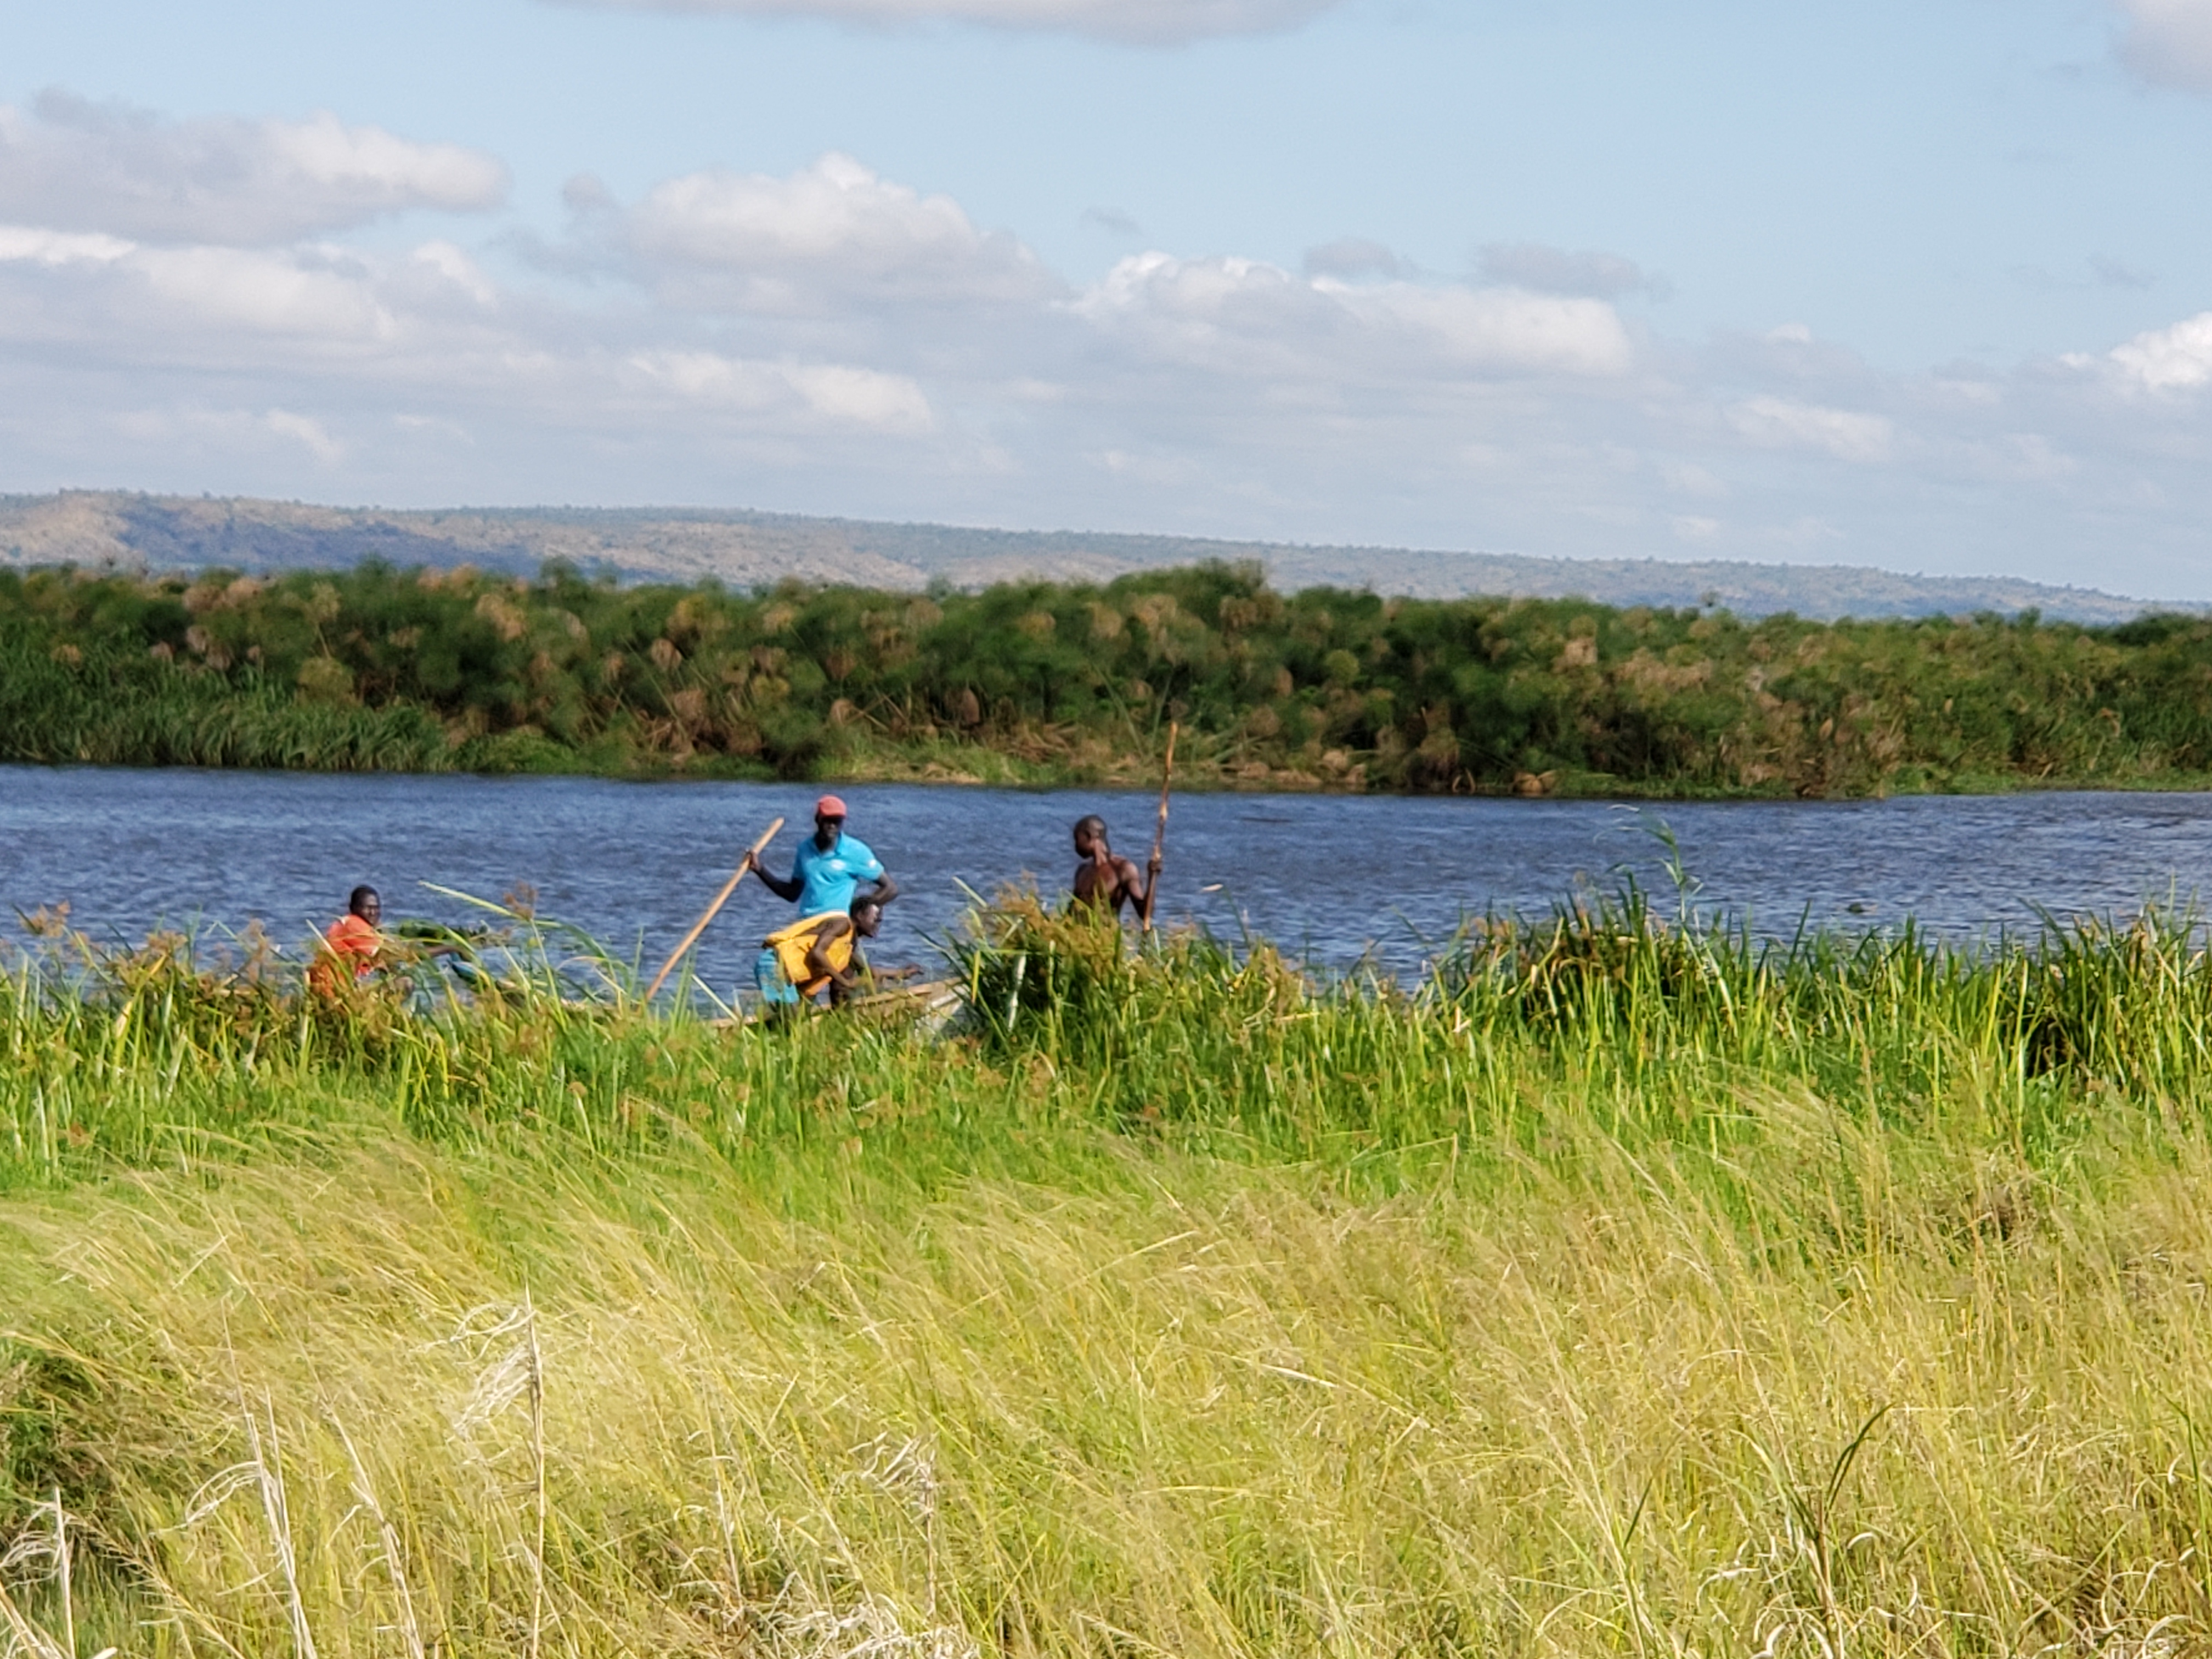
(364, 902)
(828, 820)
(868, 917)
(1089, 836)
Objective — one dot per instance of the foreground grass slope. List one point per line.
(1626, 1292)
(380, 669)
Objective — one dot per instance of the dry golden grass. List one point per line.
(1626, 1291)
(1841, 1390)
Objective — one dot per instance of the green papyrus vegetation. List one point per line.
(378, 668)
(1628, 1290)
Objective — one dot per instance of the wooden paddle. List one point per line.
(714, 910)
(1159, 831)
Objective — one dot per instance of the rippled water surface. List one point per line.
(1336, 877)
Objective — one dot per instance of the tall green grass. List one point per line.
(1650, 1022)
(1630, 1287)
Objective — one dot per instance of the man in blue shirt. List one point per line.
(827, 871)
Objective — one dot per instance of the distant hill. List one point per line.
(158, 532)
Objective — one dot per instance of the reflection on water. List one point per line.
(1336, 877)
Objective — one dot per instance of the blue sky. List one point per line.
(1924, 286)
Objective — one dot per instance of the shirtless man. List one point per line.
(1105, 877)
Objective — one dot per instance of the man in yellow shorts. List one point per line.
(816, 954)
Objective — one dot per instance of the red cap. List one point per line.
(830, 806)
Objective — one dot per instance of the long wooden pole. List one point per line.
(1159, 832)
(713, 910)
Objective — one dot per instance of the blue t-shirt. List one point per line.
(829, 880)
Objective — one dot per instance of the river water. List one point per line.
(1338, 879)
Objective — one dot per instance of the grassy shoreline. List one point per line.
(986, 769)
(1626, 1289)
(1039, 684)
(1196, 771)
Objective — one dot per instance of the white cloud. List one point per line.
(1502, 330)
(100, 291)
(69, 165)
(233, 429)
(304, 429)
(2176, 359)
(1804, 534)
(436, 426)
(838, 341)
(1247, 317)
(34, 244)
(1783, 423)
(2169, 42)
(1688, 479)
(2029, 457)
(835, 393)
(444, 263)
(830, 234)
(1134, 22)
(1152, 469)
(260, 294)
(427, 323)
(102, 288)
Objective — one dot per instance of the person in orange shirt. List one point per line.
(353, 940)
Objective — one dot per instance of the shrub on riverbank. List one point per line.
(1629, 1290)
(375, 668)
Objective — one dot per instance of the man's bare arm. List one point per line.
(786, 888)
(819, 965)
(1127, 879)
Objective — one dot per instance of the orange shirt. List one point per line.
(349, 938)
